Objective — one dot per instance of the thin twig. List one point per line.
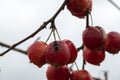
(15, 49)
(30, 36)
(118, 7)
(106, 75)
(38, 30)
(80, 48)
(48, 37)
(60, 9)
(87, 17)
(84, 62)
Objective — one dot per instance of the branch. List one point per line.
(51, 20)
(80, 48)
(114, 4)
(94, 78)
(15, 49)
(30, 36)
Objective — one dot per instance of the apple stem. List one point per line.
(54, 34)
(87, 18)
(58, 34)
(84, 62)
(76, 66)
(73, 65)
(48, 37)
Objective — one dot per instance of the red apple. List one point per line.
(57, 53)
(58, 73)
(112, 44)
(80, 75)
(84, 4)
(94, 37)
(36, 53)
(72, 49)
(78, 8)
(94, 57)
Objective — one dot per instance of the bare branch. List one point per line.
(51, 20)
(30, 36)
(118, 7)
(15, 49)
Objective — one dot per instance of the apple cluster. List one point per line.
(96, 42)
(63, 73)
(95, 39)
(59, 53)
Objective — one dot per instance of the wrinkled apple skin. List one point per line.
(94, 37)
(78, 8)
(72, 50)
(57, 53)
(36, 53)
(80, 75)
(58, 73)
(94, 57)
(112, 44)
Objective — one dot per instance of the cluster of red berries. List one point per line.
(96, 42)
(58, 54)
(63, 52)
(95, 39)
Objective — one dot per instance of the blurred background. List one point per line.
(20, 18)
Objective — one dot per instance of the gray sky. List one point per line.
(19, 18)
